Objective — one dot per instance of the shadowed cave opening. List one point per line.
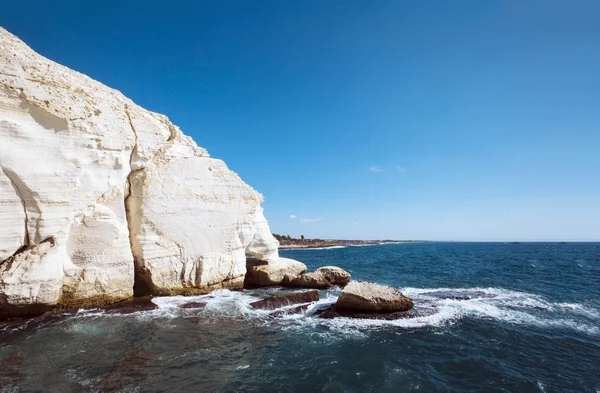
(142, 281)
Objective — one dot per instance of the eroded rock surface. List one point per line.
(322, 278)
(274, 302)
(95, 190)
(260, 273)
(368, 297)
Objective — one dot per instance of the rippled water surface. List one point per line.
(491, 317)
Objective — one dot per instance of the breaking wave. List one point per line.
(434, 308)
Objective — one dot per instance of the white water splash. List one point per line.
(434, 307)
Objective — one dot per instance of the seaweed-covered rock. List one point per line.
(194, 305)
(332, 312)
(130, 370)
(274, 302)
(132, 305)
(10, 371)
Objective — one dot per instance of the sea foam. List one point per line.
(434, 307)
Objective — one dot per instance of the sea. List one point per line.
(490, 317)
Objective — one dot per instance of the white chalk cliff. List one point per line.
(94, 189)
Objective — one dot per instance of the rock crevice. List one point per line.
(20, 195)
(142, 279)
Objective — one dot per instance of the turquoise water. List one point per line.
(494, 317)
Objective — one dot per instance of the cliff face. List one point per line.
(98, 194)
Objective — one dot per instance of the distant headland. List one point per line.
(286, 242)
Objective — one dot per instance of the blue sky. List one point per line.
(441, 120)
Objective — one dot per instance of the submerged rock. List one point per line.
(367, 297)
(130, 370)
(333, 312)
(321, 278)
(260, 273)
(132, 305)
(290, 311)
(195, 305)
(274, 302)
(10, 370)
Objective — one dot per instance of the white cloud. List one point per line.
(376, 169)
(305, 220)
(293, 216)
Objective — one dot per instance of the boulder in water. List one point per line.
(286, 300)
(290, 311)
(321, 278)
(368, 297)
(332, 312)
(194, 305)
(260, 273)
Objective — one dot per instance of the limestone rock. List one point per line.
(321, 278)
(274, 302)
(260, 273)
(335, 275)
(94, 189)
(372, 298)
(64, 153)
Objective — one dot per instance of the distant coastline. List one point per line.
(286, 242)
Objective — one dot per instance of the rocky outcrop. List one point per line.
(97, 193)
(260, 273)
(322, 278)
(368, 297)
(366, 300)
(274, 302)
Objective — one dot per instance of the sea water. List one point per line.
(490, 317)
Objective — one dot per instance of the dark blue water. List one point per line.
(493, 318)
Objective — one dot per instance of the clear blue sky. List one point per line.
(442, 120)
